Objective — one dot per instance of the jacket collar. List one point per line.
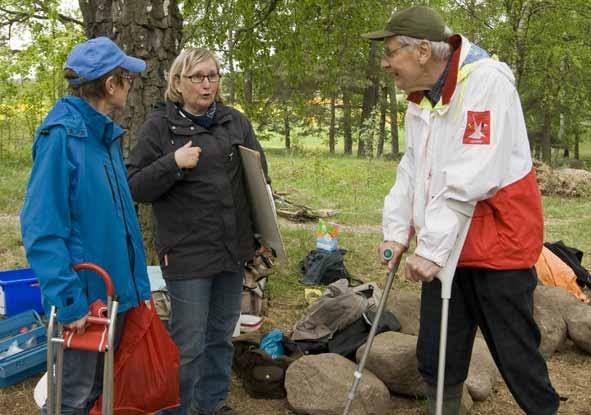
(184, 126)
(81, 120)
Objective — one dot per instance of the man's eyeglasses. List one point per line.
(197, 79)
(391, 53)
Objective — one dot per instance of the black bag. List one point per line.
(263, 377)
(322, 267)
(573, 258)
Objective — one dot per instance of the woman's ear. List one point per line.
(176, 80)
(110, 85)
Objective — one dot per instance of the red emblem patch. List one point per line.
(477, 128)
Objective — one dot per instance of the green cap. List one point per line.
(419, 22)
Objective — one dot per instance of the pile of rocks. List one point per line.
(319, 384)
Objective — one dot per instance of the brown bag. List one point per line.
(253, 299)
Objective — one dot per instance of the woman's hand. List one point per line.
(78, 326)
(187, 156)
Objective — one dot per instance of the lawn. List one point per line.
(355, 188)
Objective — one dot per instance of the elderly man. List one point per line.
(466, 142)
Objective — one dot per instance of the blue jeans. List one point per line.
(204, 314)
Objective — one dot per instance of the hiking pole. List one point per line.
(464, 213)
(387, 254)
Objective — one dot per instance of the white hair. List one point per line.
(439, 50)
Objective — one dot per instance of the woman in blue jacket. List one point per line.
(78, 207)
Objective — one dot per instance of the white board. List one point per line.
(261, 201)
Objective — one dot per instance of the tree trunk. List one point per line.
(370, 95)
(248, 92)
(144, 29)
(383, 110)
(332, 128)
(153, 33)
(394, 121)
(286, 128)
(577, 154)
(348, 136)
(546, 137)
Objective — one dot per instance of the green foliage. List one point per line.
(31, 78)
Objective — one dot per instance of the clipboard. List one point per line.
(261, 201)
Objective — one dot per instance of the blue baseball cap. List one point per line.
(97, 57)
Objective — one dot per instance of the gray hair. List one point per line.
(439, 50)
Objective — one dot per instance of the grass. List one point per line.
(354, 187)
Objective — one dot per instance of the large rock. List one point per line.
(550, 306)
(320, 384)
(393, 359)
(555, 299)
(578, 321)
(467, 401)
(552, 329)
(483, 372)
(406, 306)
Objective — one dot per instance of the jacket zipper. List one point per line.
(130, 249)
(110, 184)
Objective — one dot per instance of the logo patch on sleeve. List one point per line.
(477, 129)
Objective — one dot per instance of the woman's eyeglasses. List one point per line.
(197, 79)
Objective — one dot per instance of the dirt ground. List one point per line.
(570, 371)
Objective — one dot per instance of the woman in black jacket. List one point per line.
(187, 165)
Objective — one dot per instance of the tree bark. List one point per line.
(348, 136)
(394, 121)
(577, 138)
(332, 128)
(369, 97)
(143, 29)
(286, 128)
(383, 110)
(546, 137)
(248, 92)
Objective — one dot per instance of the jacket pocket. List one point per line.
(483, 235)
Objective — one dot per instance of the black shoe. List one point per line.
(226, 410)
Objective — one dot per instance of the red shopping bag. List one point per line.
(146, 370)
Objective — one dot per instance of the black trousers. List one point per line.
(501, 304)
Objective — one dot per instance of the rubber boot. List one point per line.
(452, 399)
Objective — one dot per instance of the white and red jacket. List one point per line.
(471, 147)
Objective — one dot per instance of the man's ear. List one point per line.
(424, 50)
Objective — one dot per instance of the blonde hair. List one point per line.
(183, 65)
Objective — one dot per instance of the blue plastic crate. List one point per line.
(33, 360)
(19, 291)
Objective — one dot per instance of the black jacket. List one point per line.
(202, 219)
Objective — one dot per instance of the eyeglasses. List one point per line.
(197, 79)
(129, 77)
(391, 53)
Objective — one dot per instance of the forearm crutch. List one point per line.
(464, 213)
(374, 327)
(59, 338)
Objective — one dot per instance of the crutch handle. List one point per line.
(100, 271)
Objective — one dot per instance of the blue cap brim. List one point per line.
(132, 64)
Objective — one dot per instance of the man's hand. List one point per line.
(420, 269)
(187, 156)
(78, 326)
(397, 251)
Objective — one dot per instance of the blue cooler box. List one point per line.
(19, 291)
(29, 333)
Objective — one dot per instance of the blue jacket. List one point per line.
(78, 208)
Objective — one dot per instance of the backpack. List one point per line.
(262, 376)
(322, 267)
